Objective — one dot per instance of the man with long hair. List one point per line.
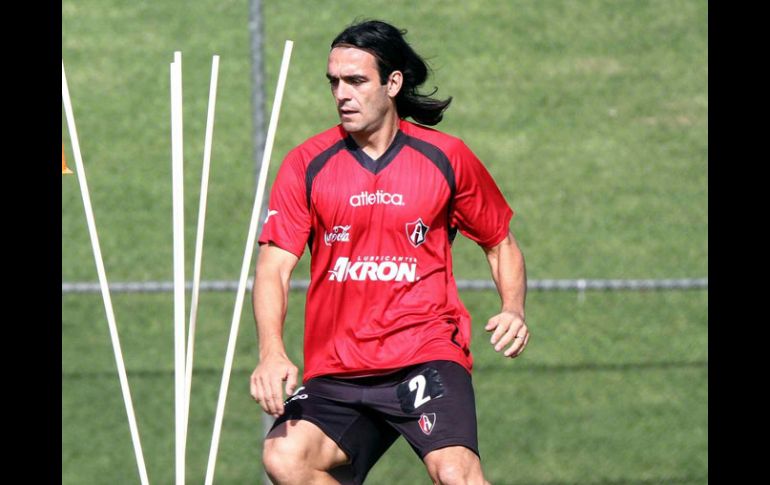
(378, 201)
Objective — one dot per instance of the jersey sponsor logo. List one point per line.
(427, 422)
(375, 268)
(379, 197)
(337, 234)
(416, 231)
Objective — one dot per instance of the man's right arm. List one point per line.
(270, 298)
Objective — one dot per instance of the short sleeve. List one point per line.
(288, 218)
(479, 209)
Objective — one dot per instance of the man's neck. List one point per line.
(376, 143)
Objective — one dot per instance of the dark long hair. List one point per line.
(386, 43)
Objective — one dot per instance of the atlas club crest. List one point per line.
(427, 421)
(416, 231)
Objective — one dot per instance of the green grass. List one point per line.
(613, 388)
(593, 118)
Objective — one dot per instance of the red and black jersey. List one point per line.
(382, 293)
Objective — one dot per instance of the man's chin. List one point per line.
(350, 127)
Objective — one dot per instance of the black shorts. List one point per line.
(431, 405)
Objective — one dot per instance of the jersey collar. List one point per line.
(370, 164)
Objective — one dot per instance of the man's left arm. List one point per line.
(506, 263)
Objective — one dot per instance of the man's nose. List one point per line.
(343, 92)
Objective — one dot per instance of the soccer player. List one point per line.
(378, 201)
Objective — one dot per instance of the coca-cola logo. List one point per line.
(337, 234)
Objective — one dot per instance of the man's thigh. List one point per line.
(454, 464)
(348, 430)
(305, 442)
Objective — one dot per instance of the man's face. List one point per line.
(362, 102)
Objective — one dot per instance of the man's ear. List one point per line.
(394, 83)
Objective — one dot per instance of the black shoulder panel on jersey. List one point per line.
(441, 161)
(452, 234)
(315, 166)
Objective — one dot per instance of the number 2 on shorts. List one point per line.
(418, 383)
(420, 389)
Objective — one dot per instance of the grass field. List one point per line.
(591, 115)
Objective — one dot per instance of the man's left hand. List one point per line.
(509, 328)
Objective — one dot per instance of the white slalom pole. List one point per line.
(199, 239)
(81, 173)
(177, 178)
(247, 259)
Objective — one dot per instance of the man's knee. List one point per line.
(284, 460)
(455, 466)
(451, 474)
(298, 451)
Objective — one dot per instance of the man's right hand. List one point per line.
(267, 379)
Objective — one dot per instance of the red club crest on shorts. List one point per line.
(427, 422)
